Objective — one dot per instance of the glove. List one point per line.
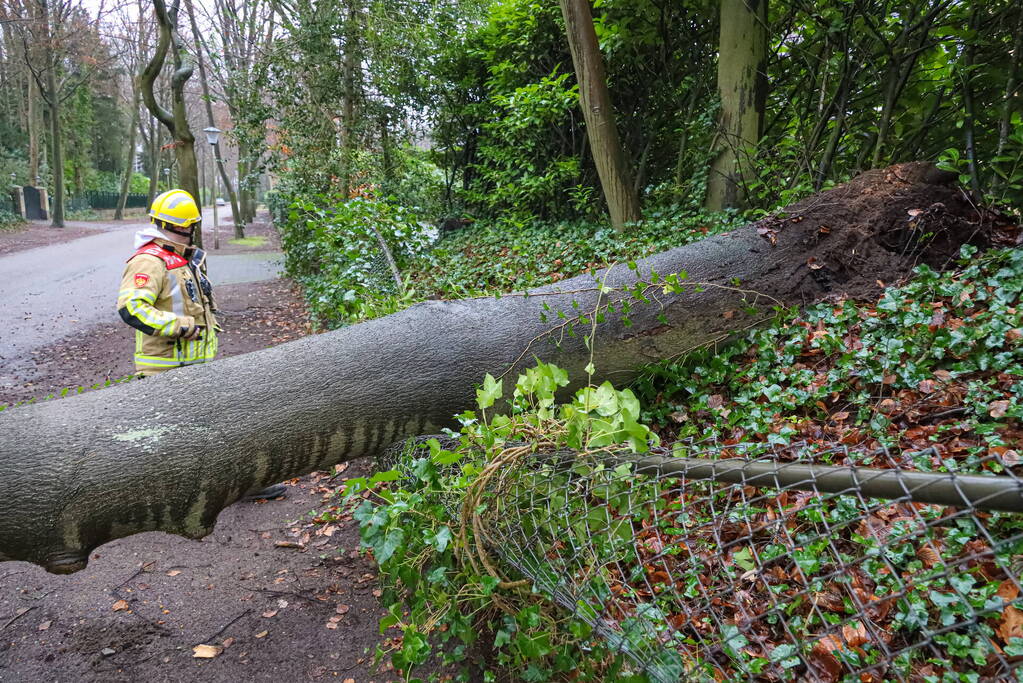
(190, 332)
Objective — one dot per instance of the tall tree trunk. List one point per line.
(239, 225)
(742, 86)
(902, 58)
(350, 65)
(176, 120)
(969, 120)
(33, 124)
(203, 189)
(57, 146)
(595, 100)
(1011, 96)
(844, 87)
(385, 146)
(129, 161)
(245, 196)
(154, 159)
(242, 170)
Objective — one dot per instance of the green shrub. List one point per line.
(332, 250)
(333, 247)
(9, 220)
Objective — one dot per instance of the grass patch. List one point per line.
(255, 241)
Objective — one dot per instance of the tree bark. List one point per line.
(239, 226)
(902, 57)
(175, 120)
(350, 65)
(129, 162)
(246, 195)
(844, 87)
(33, 132)
(57, 146)
(742, 86)
(154, 158)
(969, 125)
(1011, 96)
(595, 100)
(81, 471)
(385, 147)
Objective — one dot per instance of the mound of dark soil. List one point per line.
(876, 228)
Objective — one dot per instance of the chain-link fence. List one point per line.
(708, 563)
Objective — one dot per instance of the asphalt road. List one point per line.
(53, 292)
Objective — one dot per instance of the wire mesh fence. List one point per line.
(708, 563)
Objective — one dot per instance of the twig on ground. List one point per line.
(226, 626)
(290, 593)
(17, 615)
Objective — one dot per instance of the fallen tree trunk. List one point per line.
(169, 453)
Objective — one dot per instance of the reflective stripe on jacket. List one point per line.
(161, 292)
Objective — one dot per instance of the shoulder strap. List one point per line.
(169, 258)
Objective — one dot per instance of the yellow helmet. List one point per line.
(175, 207)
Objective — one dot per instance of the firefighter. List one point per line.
(166, 296)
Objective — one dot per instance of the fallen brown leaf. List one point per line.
(1012, 624)
(822, 657)
(262, 634)
(1007, 590)
(269, 615)
(855, 635)
(290, 544)
(206, 651)
(120, 605)
(996, 409)
(929, 556)
(173, 572)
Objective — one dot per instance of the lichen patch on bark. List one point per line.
(145, 437)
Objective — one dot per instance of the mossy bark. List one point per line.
(742, 87)
(598, 112)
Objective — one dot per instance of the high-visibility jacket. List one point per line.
(164, 289)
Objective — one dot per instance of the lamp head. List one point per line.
(212, 134)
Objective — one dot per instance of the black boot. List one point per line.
(269, 493)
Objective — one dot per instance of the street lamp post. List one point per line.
(212, 137)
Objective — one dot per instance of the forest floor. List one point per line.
(276, 596)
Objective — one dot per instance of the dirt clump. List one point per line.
(873, 230)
